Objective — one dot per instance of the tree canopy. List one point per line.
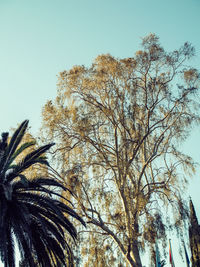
(119, 125)
(31, 208)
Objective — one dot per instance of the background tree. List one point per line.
(120, 125)
(194, 236)
(30, 207)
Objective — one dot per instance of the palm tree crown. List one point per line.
(28, 209)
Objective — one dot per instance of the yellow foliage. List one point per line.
(120, 121)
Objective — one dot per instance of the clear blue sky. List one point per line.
(40, 38)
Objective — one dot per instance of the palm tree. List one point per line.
(32, 211)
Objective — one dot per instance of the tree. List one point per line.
(31, 209)
(119, 125)
(194, 235)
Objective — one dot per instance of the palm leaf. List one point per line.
(21, 149)
(37, 153)
(3, 145)
(13, 144)
(33, 158)
(33, 211)
(16, 138)
(48, 210)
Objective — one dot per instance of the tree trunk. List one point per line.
(136, 256)
(133, 256)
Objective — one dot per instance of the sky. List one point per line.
(39, 39)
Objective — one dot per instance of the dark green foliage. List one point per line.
(31, 210)
(194, 235)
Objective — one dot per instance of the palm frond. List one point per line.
(20, 150)
(37, 153)
(14, 142)
(32, 210)
(29, 160)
